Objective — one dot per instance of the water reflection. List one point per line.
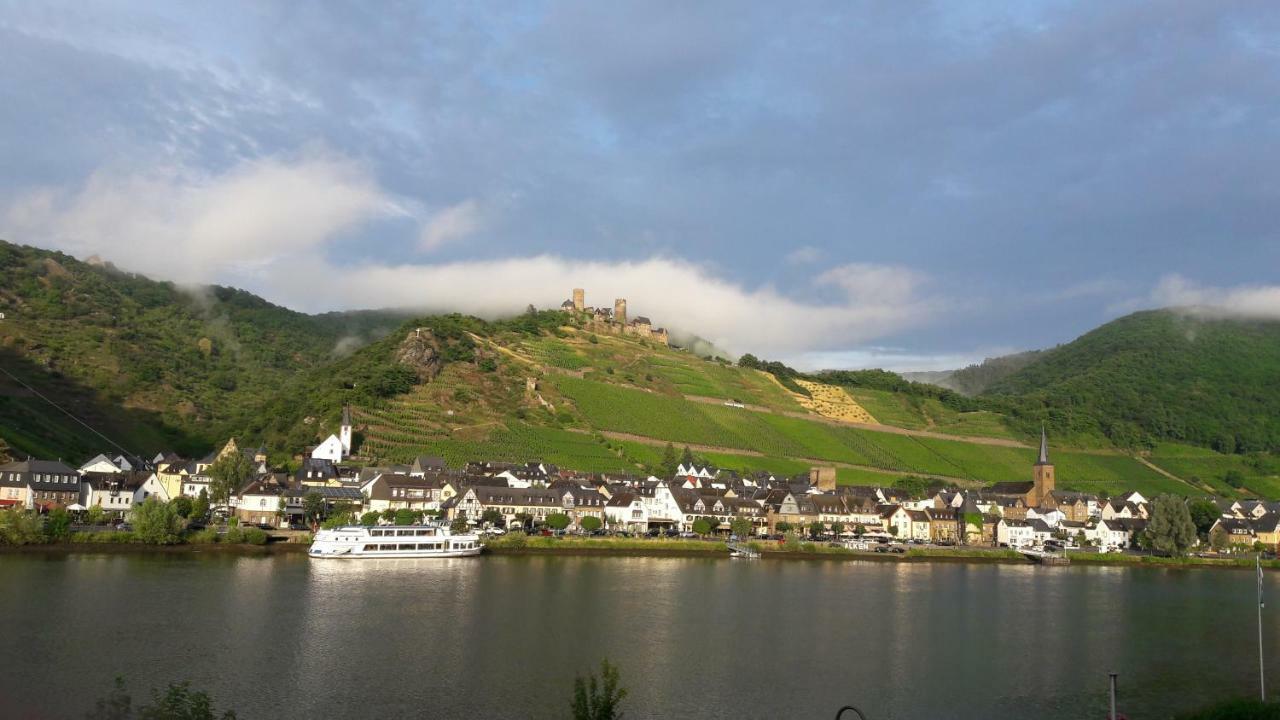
(503, 636)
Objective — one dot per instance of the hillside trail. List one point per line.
(645, 440)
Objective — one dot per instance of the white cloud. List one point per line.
(455, 222)
(671, 292)
(804, 255)
(1248, 301)
(267, 226)
(189, 226)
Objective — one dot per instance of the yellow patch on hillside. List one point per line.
(833, 402)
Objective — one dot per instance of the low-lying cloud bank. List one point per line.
(267, 225)
(1257, 302)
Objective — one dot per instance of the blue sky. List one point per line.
(911, 185)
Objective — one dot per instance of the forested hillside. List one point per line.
(1156, 375)
(150, 363)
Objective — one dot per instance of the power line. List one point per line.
(68, 413)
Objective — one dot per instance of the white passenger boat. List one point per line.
(403, 541)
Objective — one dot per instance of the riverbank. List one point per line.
(517, 545)
(631, 547)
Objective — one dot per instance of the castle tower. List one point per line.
(579, 299)
(344, 432)
(620, 310)
(1042, 474)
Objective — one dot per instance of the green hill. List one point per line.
(149, 364)
(1154, 376)
(154, 366)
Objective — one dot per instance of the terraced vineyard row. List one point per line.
(783, 437)
(517, 443)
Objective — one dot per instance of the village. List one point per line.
(696, 501)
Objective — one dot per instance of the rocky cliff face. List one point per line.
(420, 350)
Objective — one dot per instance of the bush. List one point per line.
(405, 516)
(20, 527)
(701, 526)
(370, 519)
(182, 505)
(155, 523)
(57, 524)
(207, 536)
(254, 536)
(234, 536)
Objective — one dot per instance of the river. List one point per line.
(502, 637)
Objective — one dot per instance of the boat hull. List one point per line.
(334, 555)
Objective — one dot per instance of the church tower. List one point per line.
(344, 432)
(1042, 473)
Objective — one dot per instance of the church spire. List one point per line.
(1044, 448)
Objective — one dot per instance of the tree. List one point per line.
(670, 461)
(859, 530)
(312, 506)
(1204, 514)
(598, 699)
(95, 515)
(1234, 478)
(816, 528)
(491, 517)
(557, 521)
(782, 526)
(20, 527)
(590, 523)
(228, 474)
(182, 506)
(389, 515)
(1170, 529)
(370, 518)
(155, 522)
(1218, 539)
(837, 528)
(702, 526)
(686, 458)
(405, 516)
(459, 524)
(200, 507)
(740, 526)
(749, 361)
(282, 508)
(57, 524)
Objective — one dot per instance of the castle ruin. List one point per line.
(612, 322)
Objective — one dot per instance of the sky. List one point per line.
(908, 185)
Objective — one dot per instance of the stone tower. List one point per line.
(579, 299)
(344, 431)
(620, 310)
(1042, 474)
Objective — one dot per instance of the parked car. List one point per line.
(265, 526)
(298, 526)
(898, 549)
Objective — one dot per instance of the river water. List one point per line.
(502, 637)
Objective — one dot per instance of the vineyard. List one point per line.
(1259, 474)
(517, 443)
(919, 413)
(791, 439)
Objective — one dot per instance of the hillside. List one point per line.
(1156, 376)
(149, 364)
(153, 366)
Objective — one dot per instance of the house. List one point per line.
(388, 491)
(579, 502)
(424, 464)
(1239, 531)
(114, 492)
(919, 526)
(317, 472)
(944, 526)
(518, 506)
(332, 497)
(627, 511)
(262, 501)
(1014, 533)
(39, 484)
(1116, 534)
(1041, 531)
(1267, 530)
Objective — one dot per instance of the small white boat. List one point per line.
(403, 541)
(742, 551)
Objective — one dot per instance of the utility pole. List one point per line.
(1262, 675)
(1112, 716)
